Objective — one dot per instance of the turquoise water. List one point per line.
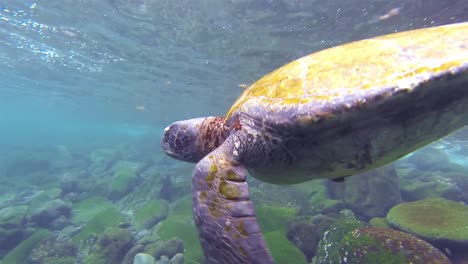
(100, 60)
(87, 87)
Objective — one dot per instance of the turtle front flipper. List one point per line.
(224, 214)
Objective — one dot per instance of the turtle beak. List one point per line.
(165, 143)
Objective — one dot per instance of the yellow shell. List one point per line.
(345, 74)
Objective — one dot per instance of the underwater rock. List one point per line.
(282, 250)
(305, 232)
(19, 198)
(150, 214)
(181, 210)
(10, 238)
(260, 193)
(461, 182)
(70, 185)
(6, 189)
(143, 258)
(309, 197)
(44, 215)
(167, 188)
(372, 194)
(59, 223)
(420, 185)
(177, 259)
(441, 222)
(21, 252)
(151, 171)
(51, 194)
(41, 199)
(163, 260)
(379, 222)
(107, 218)
(130, 256)
(124, 179)
(83, 211)
(174, 228)
(431, 158)
(12, 217)
(174, 183)
(146, 190)
(165, 248)
(52, 250)
(110, 247)
(274, 217)
(101, 160)
(75, 181)
(384, 245)
(327, 249)
(11, 226)
(322, 200)
(145, 237)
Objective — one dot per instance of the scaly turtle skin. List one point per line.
(330, 114)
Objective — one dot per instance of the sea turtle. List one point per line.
(330, 114)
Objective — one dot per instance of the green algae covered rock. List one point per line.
(43, 198)
(373, 193)
(84, 210)
(146, 190)
(172, 228)
(437, 220)
(168, 248)
(52, 250)
(12, 217)
(143, 258)
(181, 209)
(107, 218)
(150, 214)
(21, 252)
(111, 247)
(412, 190)
(432, 158)
(305, 232)
(328, 250)
(282, 250)
(101, 159)
(274, 218)
(44, 214)
(379, 222)
(179, 226)
(387, 246)
(10, 237)
(124, 178)
(319, 199)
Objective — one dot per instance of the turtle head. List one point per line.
(190, 140)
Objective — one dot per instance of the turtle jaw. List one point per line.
(167, 148)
